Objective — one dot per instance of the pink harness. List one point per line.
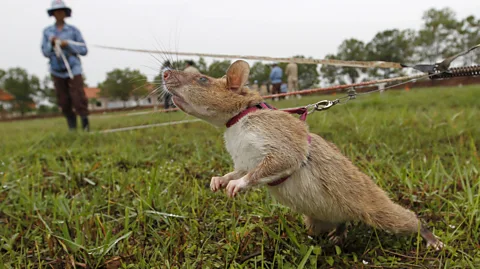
(302, 111)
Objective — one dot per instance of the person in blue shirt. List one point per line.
(276, 78)
(62, 44)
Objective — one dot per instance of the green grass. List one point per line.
(103, 200)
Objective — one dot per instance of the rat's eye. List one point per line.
(203, 79)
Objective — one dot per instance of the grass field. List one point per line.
(140, 199)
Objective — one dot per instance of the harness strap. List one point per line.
(277, 182)
(302, 111)
(240, 115)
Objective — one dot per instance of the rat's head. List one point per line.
(215, 100)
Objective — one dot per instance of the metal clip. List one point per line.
(322, 105)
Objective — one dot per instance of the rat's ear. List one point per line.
(237, 75)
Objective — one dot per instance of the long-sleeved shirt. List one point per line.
(276, 75)
(71, 51)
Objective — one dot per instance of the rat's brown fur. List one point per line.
(268, 145)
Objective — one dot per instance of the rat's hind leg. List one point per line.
(336, 236)
(317, 227)
(336, 232)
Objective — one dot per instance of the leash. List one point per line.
(352, 94)
(346, 86)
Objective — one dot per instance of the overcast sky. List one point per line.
(249, 27)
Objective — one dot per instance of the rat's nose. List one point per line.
(166, 74)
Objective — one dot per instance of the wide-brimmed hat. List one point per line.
(59, 4)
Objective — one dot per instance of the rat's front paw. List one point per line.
(234, 186)
(218, 182)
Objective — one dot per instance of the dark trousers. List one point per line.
(276, 88)
(70, 95)
(167, 100)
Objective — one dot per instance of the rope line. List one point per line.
(57, 48)
(358, 64)
(147, 126)
(59, 53)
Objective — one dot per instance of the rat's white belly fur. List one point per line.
(244, 147)
(303, 192)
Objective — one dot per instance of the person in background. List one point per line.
(292, 77)
(190, 67)
(283, 88)
(167, 96)
(276, 78)
(68, 85)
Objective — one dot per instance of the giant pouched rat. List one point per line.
(273, 148)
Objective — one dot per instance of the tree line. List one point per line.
(442, 34)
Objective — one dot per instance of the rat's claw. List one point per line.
(234, 186)
(436, 245)
(217, 182)
(335, 238)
